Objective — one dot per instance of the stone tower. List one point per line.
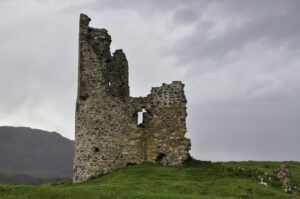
(107, 132)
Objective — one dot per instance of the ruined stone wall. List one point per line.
(107, 134)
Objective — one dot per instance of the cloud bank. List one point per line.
(238, 59)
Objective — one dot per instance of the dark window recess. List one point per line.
(160, 157)
(130, 164)
(96, 149)
(83, 97)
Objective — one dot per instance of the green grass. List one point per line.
(195, 180)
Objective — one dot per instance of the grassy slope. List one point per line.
(196, 180)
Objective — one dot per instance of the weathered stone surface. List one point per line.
(107, 133)
(286, 178)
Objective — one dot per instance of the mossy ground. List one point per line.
(195, 180)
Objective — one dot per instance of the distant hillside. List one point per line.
(33, 156)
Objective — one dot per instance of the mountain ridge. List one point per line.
(41, 155)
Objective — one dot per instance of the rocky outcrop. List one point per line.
(285, 177)
(113, 129)
(278, 178)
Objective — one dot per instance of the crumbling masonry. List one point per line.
(107, 132)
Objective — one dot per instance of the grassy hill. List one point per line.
(195, 180)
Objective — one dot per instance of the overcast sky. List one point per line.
(239, 60)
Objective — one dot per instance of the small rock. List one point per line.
(262, 182)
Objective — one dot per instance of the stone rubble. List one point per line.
(286, 178)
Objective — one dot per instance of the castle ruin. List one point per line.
(108, 134)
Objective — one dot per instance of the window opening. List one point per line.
(140, 119)
(160, 158)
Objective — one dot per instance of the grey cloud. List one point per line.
(273, 26)
(186, 16)
(247, 130)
